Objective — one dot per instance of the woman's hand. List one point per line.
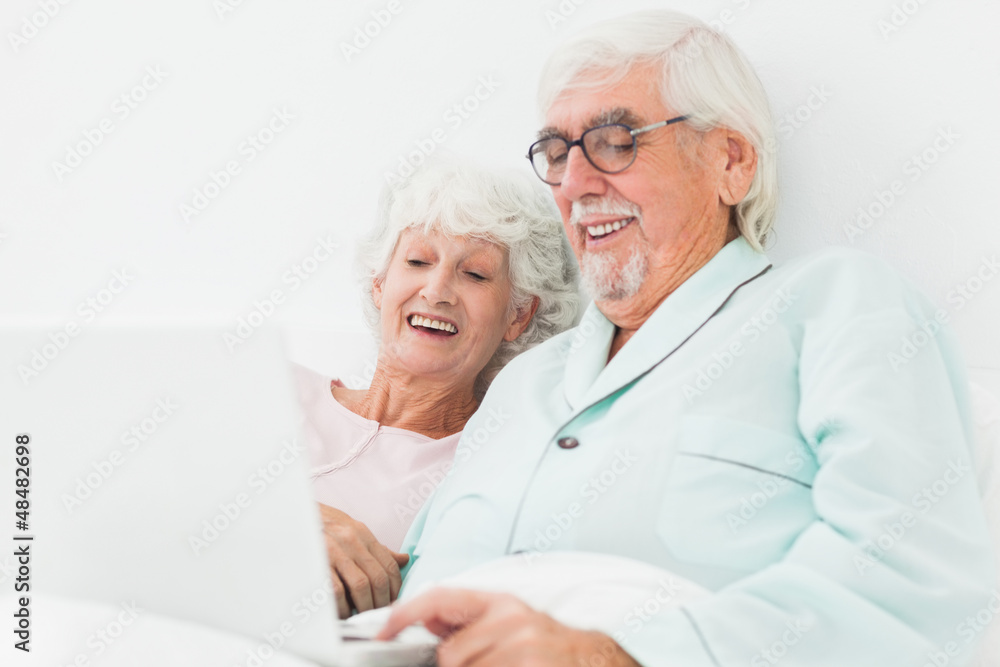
(365, 573)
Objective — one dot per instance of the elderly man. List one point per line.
(794, 439)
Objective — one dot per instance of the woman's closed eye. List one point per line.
(416, 262)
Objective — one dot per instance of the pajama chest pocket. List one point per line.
(737, 494)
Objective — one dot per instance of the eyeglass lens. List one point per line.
(610, 148)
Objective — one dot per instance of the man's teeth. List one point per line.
(601, 230)
(421, 321)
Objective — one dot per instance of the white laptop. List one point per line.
(167, 470)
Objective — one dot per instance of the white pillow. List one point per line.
(551, 582)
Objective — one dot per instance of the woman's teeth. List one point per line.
(426, 322)
(600, 230)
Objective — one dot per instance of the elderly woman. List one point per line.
(466, 269)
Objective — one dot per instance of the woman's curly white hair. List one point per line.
(506, 208)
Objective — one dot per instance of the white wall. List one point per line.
(889, 95)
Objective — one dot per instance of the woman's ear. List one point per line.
(522, 318)
(740, 169)
(377, 293)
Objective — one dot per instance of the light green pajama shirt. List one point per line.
(796, 440)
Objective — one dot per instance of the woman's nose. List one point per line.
(439, 288)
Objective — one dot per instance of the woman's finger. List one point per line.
(356, 582)
(340, 594)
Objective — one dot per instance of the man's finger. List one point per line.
(401, 559)
(485, 638)
(442, 611)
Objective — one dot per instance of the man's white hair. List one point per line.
(702, 75)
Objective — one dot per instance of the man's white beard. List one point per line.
(604, 280)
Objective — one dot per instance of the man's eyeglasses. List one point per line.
(610, 148)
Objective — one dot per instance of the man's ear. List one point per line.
(377, 293)
(522, 318)
(741, 166)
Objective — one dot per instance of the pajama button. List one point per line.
(568, 443)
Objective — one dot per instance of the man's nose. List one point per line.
(581, 178)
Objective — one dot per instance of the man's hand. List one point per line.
(484, 629)
(365, 573)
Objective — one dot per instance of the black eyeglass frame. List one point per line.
(583, 147)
